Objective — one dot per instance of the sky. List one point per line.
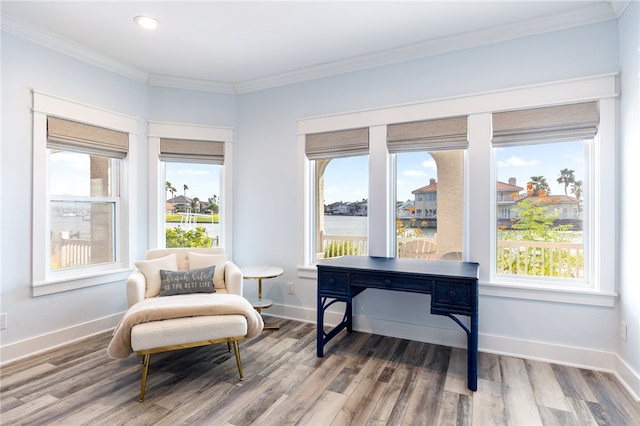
(203, 180)
(346, 179)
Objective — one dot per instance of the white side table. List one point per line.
(262, 273)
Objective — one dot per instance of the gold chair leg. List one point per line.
(145, 371)
(236, 349)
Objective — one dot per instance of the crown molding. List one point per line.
(591, 14)
(70, 48)
(597, 12)
(190, 84)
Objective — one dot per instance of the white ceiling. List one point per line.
(241, 46)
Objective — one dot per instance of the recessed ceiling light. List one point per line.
(146, 22)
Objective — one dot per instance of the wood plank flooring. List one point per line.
(363, 379)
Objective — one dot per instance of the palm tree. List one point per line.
(566, 178)
(538, 183)
(185, 187)
(170, 188)
(576, 188)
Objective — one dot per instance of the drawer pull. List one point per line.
(332, 281)
(452, 293)
(387, 282)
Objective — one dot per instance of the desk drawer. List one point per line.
(452, 294)
(391, 282)
(334, 282)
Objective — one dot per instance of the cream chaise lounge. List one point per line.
(159, 320)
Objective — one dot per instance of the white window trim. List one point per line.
(479, 167)
(48, 282)
(157, 179)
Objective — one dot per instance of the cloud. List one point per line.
(414, 173)
(518, 162)
(429, 164)
(192, 172)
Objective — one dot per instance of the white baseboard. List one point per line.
(558, 354)
(35, 345)
(586, 358)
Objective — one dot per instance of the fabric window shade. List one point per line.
(343, 143)
(80, 137)
(438, 134)
(192, 151)
(554, 123)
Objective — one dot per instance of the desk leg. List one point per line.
(320, 328)
(472, 354)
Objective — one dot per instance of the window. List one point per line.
(341, 199)
(483, 181)
(83, 207)
(192, 173)
(430, 166)
(541, 157)
(81, 157)
(192, 216)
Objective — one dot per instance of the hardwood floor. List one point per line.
(362, 380)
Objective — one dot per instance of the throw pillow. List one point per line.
(151, 270)
(199, 260)
(187, 282)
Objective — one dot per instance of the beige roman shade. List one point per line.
(547, 124)
(438, 134)
(74, 136)
(191, 151)
(342, 143)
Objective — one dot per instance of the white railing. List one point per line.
(564, 260)
(69, 252)
(343, 245)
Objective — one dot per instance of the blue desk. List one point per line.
(453, 287)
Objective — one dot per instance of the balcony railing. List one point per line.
(563, 260)
(69, 252)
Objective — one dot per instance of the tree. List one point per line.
(566, 178)
(536, 184)
(170, 188)
(185, 187)
(576, 189)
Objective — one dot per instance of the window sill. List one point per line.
(561, 295)
(521, 291)
(73, 283)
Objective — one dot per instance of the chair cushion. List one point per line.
(186, 282)
(151, 271)
(180, 331)
(199, 260)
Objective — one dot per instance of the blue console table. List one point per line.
(453, 287)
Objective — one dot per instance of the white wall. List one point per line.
(267, 196)
(37, 323)
(267, 146)
(629, 226)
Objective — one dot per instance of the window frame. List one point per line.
(45, 281)
(479, 169)
(157, 180)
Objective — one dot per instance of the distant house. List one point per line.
(356, 208)
(426, 200)
(180, 203)
(507, 194)
(507, 198)
(405, 209)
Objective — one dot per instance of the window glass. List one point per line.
(192, 204)
(84, 198)
(342, 206)
(429, 206)
(541, 210)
